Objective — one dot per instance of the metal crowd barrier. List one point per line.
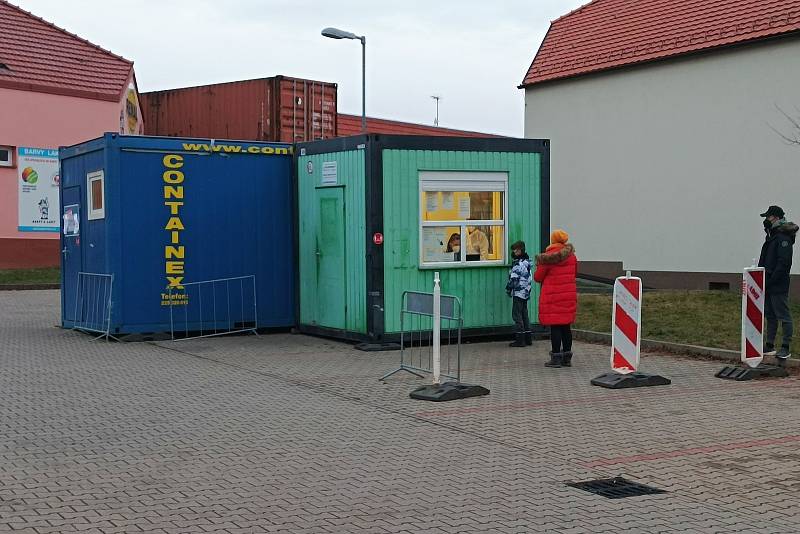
(93, 304)
(418, 341)
(213, 308)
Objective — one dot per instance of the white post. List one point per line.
(437, 326)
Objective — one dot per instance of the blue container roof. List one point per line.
(172, 144)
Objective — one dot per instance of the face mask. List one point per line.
(767, 224)
(456, 248)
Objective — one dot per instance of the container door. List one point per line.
(330, 253)
(71, 256)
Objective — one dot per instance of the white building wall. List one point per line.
(666, 166)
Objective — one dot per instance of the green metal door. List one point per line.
(331, 309)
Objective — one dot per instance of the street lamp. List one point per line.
(335, 33)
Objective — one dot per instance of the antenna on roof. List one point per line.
(437, 98)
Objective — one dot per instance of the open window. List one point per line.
(6, 156)
(462, 218)
(95, 195)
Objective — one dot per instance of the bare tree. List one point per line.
(792, 138)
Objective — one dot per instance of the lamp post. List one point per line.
(335, 33)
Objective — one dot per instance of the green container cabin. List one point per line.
(378, 214)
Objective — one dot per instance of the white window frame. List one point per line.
(482, 181)
(92, 214)
(10, 162)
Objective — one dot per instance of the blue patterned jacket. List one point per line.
(519, 278)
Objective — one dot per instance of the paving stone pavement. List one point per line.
(287, 433)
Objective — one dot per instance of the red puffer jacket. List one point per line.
(556, 270)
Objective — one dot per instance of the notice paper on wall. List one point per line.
(463, 207)
(447, 200)
(38, 181)
(329, 173)
(434, 242)
(431, 201)
(72, 220)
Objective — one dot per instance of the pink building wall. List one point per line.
(31, 119)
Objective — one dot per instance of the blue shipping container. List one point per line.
(148, 218)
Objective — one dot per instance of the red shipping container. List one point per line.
(266, 109)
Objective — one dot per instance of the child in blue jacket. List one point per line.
(519, 288)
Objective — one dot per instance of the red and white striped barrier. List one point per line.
(626, 324)
(753, 316)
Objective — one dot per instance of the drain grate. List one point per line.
(615, 488)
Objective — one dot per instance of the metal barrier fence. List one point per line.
(418, 342)
(93, 303)
(214, 308)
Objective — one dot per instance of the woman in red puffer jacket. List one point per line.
(557, 270)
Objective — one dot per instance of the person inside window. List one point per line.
(454, 246)
(477, 244)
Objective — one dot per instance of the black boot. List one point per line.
(519, 340)
(529, 338)
(555, 360)
(566, 360)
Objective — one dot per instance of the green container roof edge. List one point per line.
(418, 142)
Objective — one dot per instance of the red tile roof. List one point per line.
(42, 57)
(605, 34)
(351, 125)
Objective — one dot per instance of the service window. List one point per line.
(95, 193)
(6, 156)
(462, 218)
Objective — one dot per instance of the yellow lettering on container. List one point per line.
(176, 238)
(174, 223)
(173, 177)
(173, 161)
(174, 252)
(173, 192)
(173, 207)
(175, 281)
(175, 267)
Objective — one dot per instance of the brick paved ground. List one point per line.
(295, 434)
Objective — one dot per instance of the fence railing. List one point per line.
(424, 348)
(93, 303)
(213, 308)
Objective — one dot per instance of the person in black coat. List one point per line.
(776, 258)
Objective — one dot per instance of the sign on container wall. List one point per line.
(38, 190)
(130, 122)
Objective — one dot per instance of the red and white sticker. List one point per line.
(753, 316)
(626, 325)
(377, 238)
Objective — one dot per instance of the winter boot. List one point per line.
(555, 360)
(529, 338)
(781, 356)
(519, 340)
(566, 360)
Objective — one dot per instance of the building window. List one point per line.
(95, 191)
(462, 218)
(6, 156)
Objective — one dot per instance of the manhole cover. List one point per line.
(615, 488)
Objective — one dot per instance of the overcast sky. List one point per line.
(472, 53)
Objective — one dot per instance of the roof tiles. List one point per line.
(351, 125)
(607, 34)
(42, 57)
